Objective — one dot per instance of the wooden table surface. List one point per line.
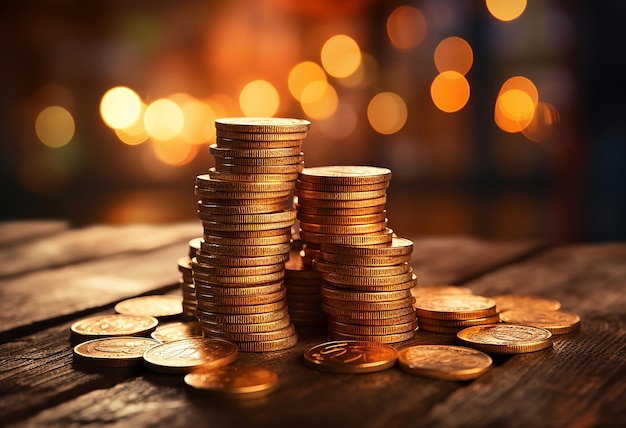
(52, 275)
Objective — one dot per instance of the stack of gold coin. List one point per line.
(245, 208)
(187, 287)
(366, 291)
(303, 285)
(451, 313)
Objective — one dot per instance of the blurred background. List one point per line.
(500, 119)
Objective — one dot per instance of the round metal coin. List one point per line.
(181, 356)
(351, 356)
(113, 351)
(506, 338)
(234, 381)
(444, 361)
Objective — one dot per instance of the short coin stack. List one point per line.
(303, 292)
(244, 204)
(187, 288)
(367, 279)
(451, 313)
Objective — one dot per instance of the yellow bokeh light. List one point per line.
(387, 113)
(341, 56)
(163, 119)
(175, 152)
(136, 133)
(450, 91)
(523, 84)
(259, 98)
(319, 100)
(542, 125)
(454, 54)
(55, 126)
(120, 107)
(506, 10)
(199, 120)
(302, 75)
(366, 74)
(406, 27)
(223, 105)
(514, 110)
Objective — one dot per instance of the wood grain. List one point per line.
(17, 231)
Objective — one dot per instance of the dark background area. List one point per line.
(454, 173)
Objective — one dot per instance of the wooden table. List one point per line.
(52, 275)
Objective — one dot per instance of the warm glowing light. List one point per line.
(199, 120)
(223, 105)
(302, 75)
(54, 126)
(341, 124)
(366, 74)
(175, 152)
(120, 107)
(450, 91)
(542, 125)
(514, 110)
(259, 98)
(406, 27)
(163, 119)
(319, 100)
(506, 10)
(523, 84)
(387, 113)
(454, 54)
(341, 56)
(136, 133)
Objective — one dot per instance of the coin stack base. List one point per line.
(187, 287)
(451, 313)
(303, 285)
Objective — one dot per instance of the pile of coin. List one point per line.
(246, 213)
(451, 313)
(187, 287)
(303, 285)
(367, 278)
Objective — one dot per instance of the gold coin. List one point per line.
(251, 136)
(263, 161)
(221, 196)
(183, 355)
(525, 302)
(372, 261)
(239, 281)
(238, 271)
(184, 265)
(242, 310)
(493, 319)
(379, 338)
(265, 327)
(438, 329)
(233, 381)
(343, 220)
(506, 338)
(340, 188)
(361, 296)
(374, 238)
(376, 288)
(347, 212)
(340, 229)
(247, 144)
(356, 305)
(254, 208)
(371, 330)
(175, 331)
(265, 125)
(350, 356)
(259, 169)
(269, 345)
(399, 247)
(364, 281)
(253, 153)
(206, 183)
(219, 260)
(287, 214)
(254, 318)
(114, 325)
(241, 234)
(339, 196)
(421, 290)
(240, 291)
(260, 240)
(356, 270)
(557, 322)
(303, 291)
(352, 204)
(346, 175)
(453, 306)
(444, 362)
(158, 306)
(244, 227)
(194, 246)
(247, 251)
(265, 336)
(252, 299)
(402, 319)
(113, 351)
(226, 176)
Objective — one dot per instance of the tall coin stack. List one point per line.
(245, 208)
(366, 291)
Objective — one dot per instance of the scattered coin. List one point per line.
(506, 338)
(444, 361)
(175, 331)
(448, 306)
(525, 302)
(159, 306)
(234, 381)
(181, 356)
(350, 356)
(113, 351)
(557, 322)
(113, 325)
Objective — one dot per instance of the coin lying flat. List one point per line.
(421, 290)
(155, 306)
(506, 338)
(265, 125)
(181, 356)
(557, 322)
(234, 381)
(351, 356)
(345, 174)
(525, 302)
(113, 351)
(448, 306)
(176, 331)
(113, 325)
(444, 361)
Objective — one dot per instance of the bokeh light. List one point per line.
(199, 118)
(136, 133)
(302, 75)
(341, 56)
(120, 107)
(450, 91)
(387, 113)
(506, 10)
(406, 27)
(319, 100)
(259, 98)
(163, 119)
(55, 126)
(542, 125)
(341, 124)
(514, 110)
(175, 152)
(523, 84)
(366, 74)
(454, 54)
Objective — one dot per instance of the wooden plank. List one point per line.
(15, 232)
(579, 382)
(79, 245)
